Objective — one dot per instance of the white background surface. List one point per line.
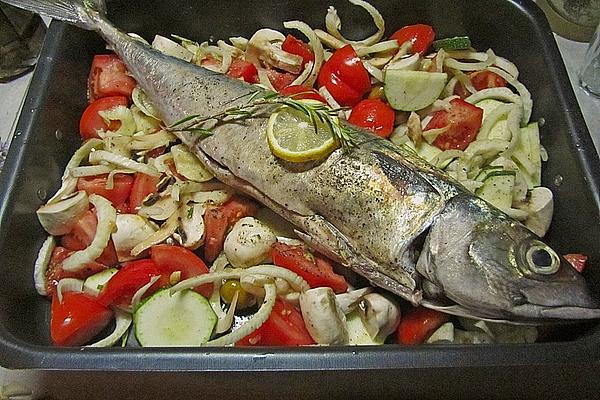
(12, 94)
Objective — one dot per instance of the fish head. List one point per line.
(480, 263)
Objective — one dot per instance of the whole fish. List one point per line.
(378, 209)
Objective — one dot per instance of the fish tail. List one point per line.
(83, 13)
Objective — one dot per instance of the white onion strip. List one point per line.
(68, 285)
(374, 71)
(68, 182)
(137, 297)
(500, 61)
(41, 265)
(316, 46)
(107, 216)
(523, 92)
(503, 94)
(102, 155)
(329, 40)
(90, 170)
(122, 322)
(471, 66)
(334, 24)
(253, 323)
(166, 230)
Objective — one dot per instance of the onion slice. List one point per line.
(41, 265)
(68, 285)
(316, 46)
(334, 24)
(253, 323)
(122, 322)
(106, 223)
(99, 156)
(137, 297)
(69, 183)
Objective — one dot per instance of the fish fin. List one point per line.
(76, 12)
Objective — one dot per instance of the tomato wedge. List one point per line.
(420, 35)
(280, 80)
(129, 279)
(169, 259)
(142, 186)
(82, 235)
(109, 77)
(316, 270)
(418, 324)
(301, 92)
(285, 327)
(293, 45)
(91, 122)
(345, 77)
(480, 80)
(463, 121)
(119, 193)
(77, 319)
(217, 221)
(375, 116)
(577, 261)
(55, 272)
(243, 69)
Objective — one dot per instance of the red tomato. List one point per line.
(243, 69)
(217, 221)
(345, 77)
(77, 319)
(480, 80)
(375, 116)
(464, 121)
(91, 122)
(109, 77)
(420, 35)
(169, 259)
(97, 185)
(285, 327)
(418, 324)
(296, 46)
(486, 79)
(129, 279)
(301, 92)
(577, 261)
(55, 272)
(317, 271)
(215, 228)
(142, 186)
(280, 80)
(82, 235)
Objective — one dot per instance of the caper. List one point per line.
(228, 290)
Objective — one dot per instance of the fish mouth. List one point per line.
(558, 313)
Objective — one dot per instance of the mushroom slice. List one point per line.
(190, 233)
(131, 230)
(249, 243)
(160, 209)
(350, 300)
(58, 218)
(324, 319)
(380, 315)
(541, 207)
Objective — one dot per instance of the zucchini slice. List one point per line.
(184, 318)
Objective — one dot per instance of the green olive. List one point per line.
(228, 290)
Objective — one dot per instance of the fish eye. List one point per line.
(541, 259)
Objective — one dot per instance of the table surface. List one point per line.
(11, 97)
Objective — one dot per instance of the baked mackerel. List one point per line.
(378, 209)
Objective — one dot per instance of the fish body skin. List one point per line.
(379, 209)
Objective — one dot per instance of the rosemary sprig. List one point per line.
(315, 111)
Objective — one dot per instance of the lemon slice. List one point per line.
(293, 137)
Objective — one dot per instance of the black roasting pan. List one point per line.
(47, 134)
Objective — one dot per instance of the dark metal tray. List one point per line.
(46, 136)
